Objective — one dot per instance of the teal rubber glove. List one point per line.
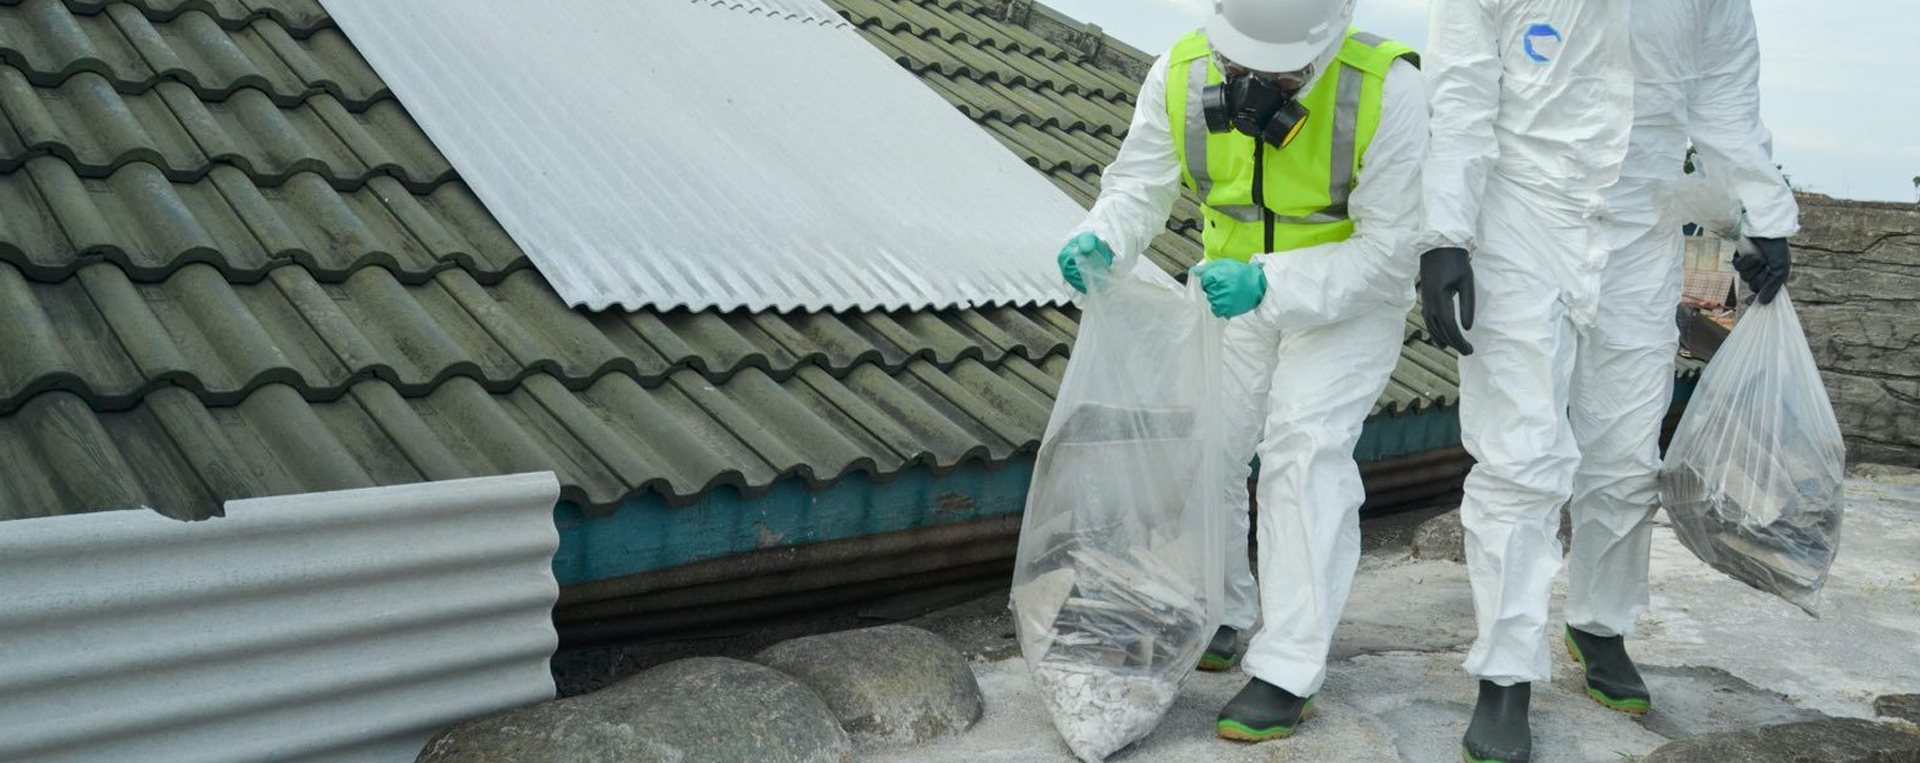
(1088, 247)
(1233, 287)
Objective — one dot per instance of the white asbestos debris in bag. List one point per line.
(1753, 479)
(1119, 579)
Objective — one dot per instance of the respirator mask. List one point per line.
(1261, 105)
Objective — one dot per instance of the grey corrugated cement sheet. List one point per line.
(801, 10)
(344, 627)
(729, 155)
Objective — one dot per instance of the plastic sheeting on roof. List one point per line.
(716, 154)
(344, 627)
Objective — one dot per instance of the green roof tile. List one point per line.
(113, 339)
(135, 50)
(300, 18)
(97, 129)
(57, 220)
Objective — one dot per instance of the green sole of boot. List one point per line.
(1240, 732)
(1634, 706)
(1213, 663)
(1467, 757)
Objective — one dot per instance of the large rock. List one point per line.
(893, 684)
(1840, 740)
(699, 710)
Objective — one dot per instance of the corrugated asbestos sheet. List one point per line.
(327, 628)
(231, 266)
(722, 155)
(810, 11)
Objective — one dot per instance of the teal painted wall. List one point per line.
(1387, 437)
(646, 534)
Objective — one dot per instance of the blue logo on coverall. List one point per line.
(1542, 42)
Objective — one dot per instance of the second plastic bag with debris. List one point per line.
(1119, 578)
(1753, 479)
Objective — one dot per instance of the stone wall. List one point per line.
(1856, 284)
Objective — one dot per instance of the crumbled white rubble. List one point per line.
(1098, 711)
(1114, 636)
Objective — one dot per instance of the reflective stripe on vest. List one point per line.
(1197, 132)
(1368, 39)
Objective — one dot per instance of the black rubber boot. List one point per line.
(1261, 712)
(1499, 732)
(1221, 651)
(1611, 678)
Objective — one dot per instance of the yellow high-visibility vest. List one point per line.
(1302, 196)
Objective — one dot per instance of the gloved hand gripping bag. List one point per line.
(1119, 577)
(1753, 481)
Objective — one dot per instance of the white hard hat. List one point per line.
(1277, 35)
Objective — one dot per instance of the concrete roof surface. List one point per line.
(1717, 656)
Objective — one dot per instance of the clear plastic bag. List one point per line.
(1119, 577)
(1753, 478)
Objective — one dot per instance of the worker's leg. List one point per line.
(1621, 393)
(1248, 353)
(1513, 398)
(1623, 387)
(1324, 385)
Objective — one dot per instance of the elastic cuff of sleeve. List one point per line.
(1784, 233)
(1085, 227)
(1770, 218)
(1431, 240)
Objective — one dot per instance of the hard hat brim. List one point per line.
(1262, 56)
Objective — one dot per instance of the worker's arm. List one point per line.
(1138, 189)
(1462, 68)
(1372, 270)
(1724, 114)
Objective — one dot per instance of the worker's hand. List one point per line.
(1445, 274)
(1233, 287)
(1088, 247)
(1766, 269)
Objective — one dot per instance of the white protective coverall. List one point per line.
(1560, 191)
(1305, 367)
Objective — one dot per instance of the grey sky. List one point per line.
(1840, 79)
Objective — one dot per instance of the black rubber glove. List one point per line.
(1767, 269)
(1445, 274)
